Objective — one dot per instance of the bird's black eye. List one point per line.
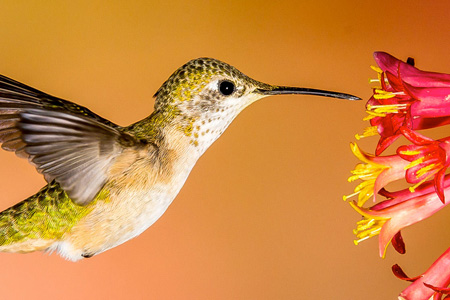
(226, 87)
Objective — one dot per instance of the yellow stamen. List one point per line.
(368, 227)
(369, 117)
(376, 69)
(422, 171)
(372, 80)
(367, 171)
(382, 94)
(414, 163)
(362, 169)
(368, 232)
(364, 190)
(366, 183)
(356, 242)
(364, 224)
(381, 110)
(389, 108)
(385, 95)
(369, 131)
(365, 195)
(345, 197)
(413, 188)
(359, 176)
(409, 152)
(425, 170)
(379, 72)
(373, 114)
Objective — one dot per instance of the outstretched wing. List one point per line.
(66, 142)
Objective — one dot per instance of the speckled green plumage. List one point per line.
(46, 215)
(178, 98)
(185, 82)
(149, 128)
(177, 89)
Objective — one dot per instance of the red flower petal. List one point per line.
(426, 123)
(385, 193)
(394, 82)
(384, 142)
(386, 62)
(398, 272)
(398, 244)
(415, 137)
(416, 77)
(439, 184)
(438, 289)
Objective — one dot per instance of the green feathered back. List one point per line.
(46, 215)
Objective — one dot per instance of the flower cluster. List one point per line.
(405, 101)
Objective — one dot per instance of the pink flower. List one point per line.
(387, 218)
(375, 172)
(406, 97)
(407, 100)
(432, 283)
(429, 158)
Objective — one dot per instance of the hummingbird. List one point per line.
(106, 184)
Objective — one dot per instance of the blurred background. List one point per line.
(261, 215)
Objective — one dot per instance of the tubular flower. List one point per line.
(430, 285)
(405, 101)
(387, 218)
(376, 172)
(429, 158)
(405, 97)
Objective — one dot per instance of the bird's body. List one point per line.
(106, 183)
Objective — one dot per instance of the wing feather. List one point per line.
(64, 141)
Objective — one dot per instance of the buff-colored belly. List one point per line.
(133, 204)
(122, 217)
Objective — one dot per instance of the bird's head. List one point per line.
(208, 94)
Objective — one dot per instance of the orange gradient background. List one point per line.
(261, 215)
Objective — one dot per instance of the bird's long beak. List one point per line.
(283, 90)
